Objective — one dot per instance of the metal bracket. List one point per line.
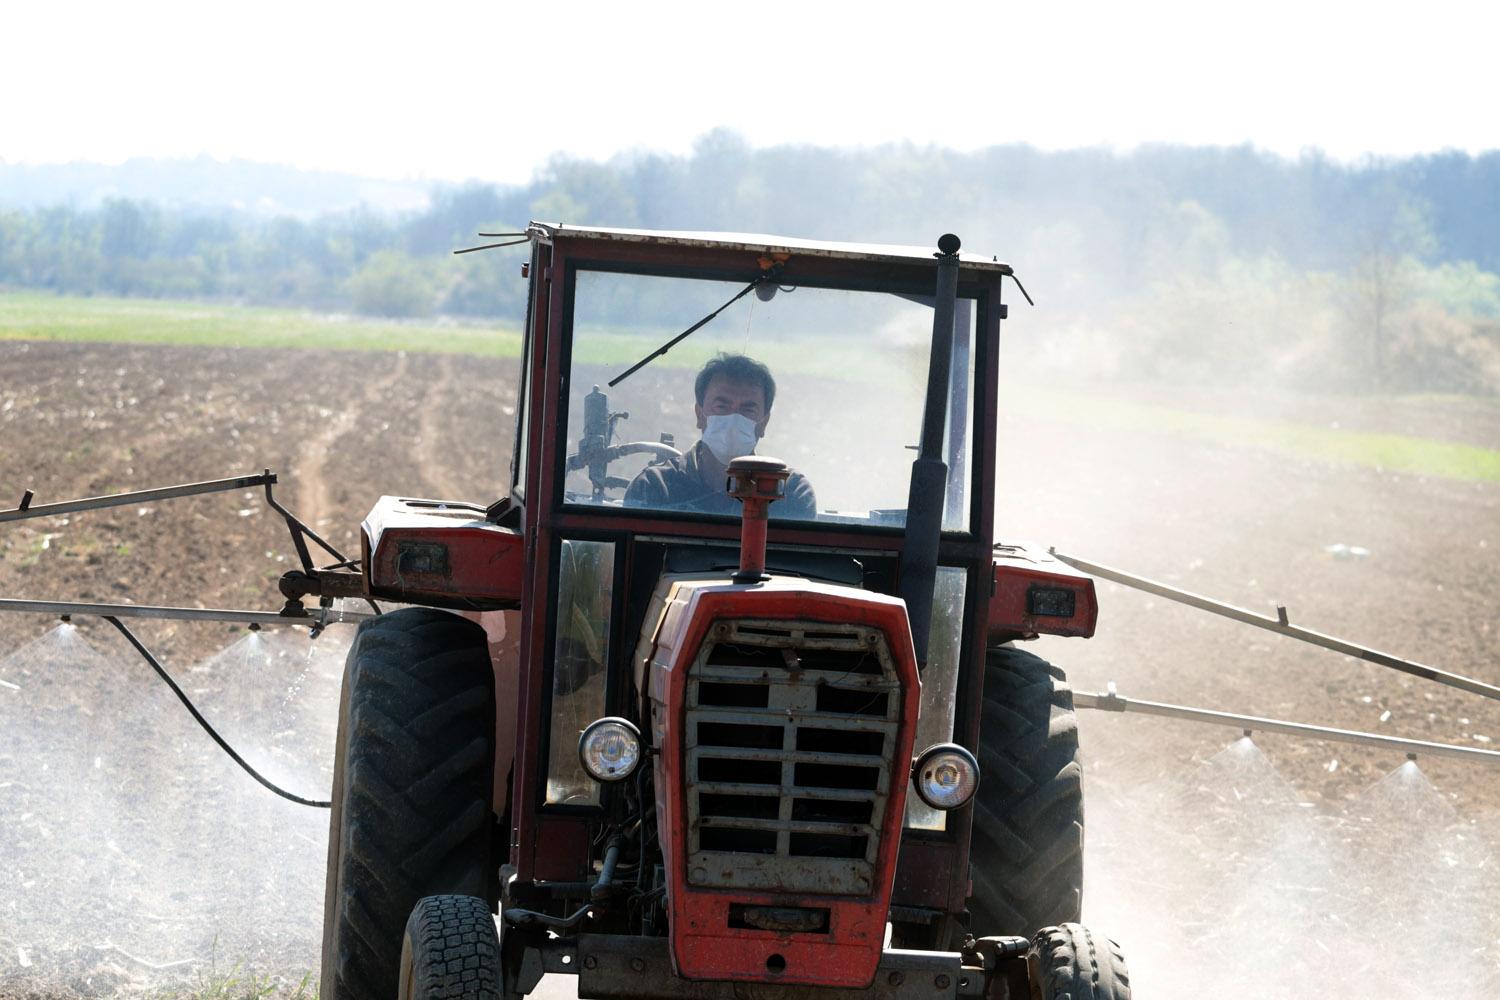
(301, 531)
(1003, 960)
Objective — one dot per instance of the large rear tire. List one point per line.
(1026, 852)
(1070, 963)
(450, 951)
(413, 781)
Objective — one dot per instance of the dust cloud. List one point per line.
(135, 855)
(1222, 881)
(1215, 444)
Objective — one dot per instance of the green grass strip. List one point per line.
(39, 316)
(32, 316)
(1389, 452)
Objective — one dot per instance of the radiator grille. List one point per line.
(790, 730)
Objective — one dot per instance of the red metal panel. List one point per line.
(1017, 570)
(925, 875)
(703, 945)
(429, 551)
(502, 629)
(567, 856)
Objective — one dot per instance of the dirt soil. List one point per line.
(1236, 523)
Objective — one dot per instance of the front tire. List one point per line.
(413, 781)
(1068, 962)
(1026, 851)
(450, 951)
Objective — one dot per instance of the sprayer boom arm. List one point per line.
(26, 510)
(317, 618)
(1112, 702)
(1282, 626)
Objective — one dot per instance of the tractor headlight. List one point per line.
(946, 776)
(610, 749)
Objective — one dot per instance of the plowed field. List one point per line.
(129, 842)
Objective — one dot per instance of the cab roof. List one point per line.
(763, 244)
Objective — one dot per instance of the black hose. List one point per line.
(603, 887)
(198, 717)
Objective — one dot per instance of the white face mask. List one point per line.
(730, 435)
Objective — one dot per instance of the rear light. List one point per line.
(610, 749)
(1033, 594)
(1053, 602)
(441, 553)
(946, 776)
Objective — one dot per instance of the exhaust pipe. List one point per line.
(929, 473)
(756, 483)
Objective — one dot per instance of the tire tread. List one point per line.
(1069, 962)
(413, 790)
(450, 951)
(1026, 850)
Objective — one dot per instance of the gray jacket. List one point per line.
(677, 484)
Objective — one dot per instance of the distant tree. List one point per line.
(1380, 281)
(393, 283)
(1207, 263)
(64, 255)
(583, 192)
(487, 283)
(1460, 287)
(455, 216)
(1463, 194)
(128, 229)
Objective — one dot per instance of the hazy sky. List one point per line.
(490, 90)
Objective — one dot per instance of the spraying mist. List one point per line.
(1222, 881)
(135, 853)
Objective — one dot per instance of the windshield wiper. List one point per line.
(769, 274)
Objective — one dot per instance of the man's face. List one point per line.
(723, 397)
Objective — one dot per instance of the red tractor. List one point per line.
(707, 723)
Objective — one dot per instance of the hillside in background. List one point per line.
(204, 183)
(1216, 264)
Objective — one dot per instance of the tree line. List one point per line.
(1205, 262)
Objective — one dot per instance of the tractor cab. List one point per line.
(817, 354)
(737, 634)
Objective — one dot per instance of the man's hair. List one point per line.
(736, 368)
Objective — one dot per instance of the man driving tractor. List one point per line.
(734, 396)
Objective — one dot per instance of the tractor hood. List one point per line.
(782, 720)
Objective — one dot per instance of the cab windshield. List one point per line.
(831, 381)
